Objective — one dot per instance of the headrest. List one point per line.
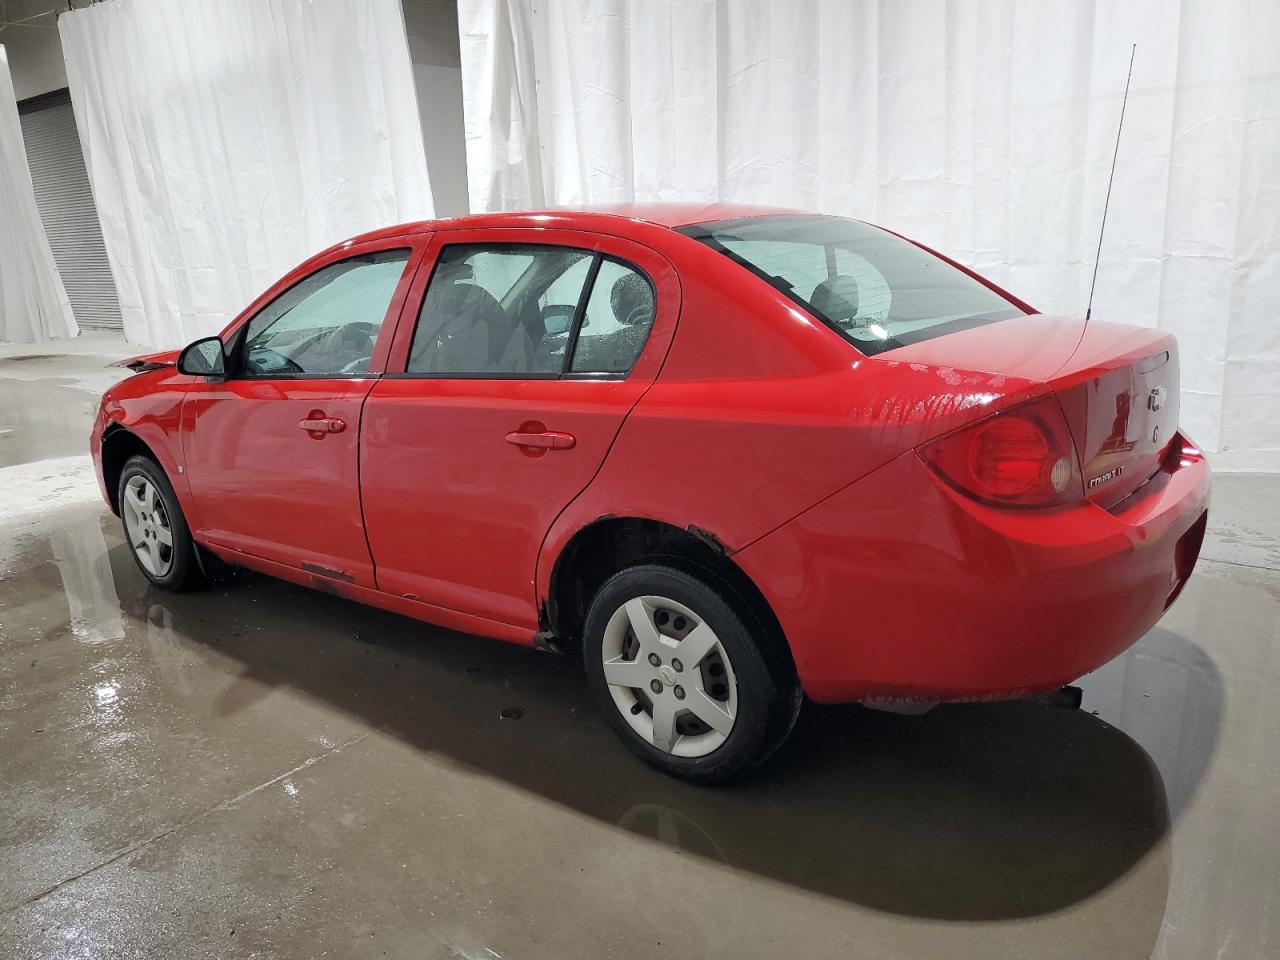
(454, 271)
(472, 300)
(836, 297)
(631, 299)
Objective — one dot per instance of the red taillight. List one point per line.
(1021, 458)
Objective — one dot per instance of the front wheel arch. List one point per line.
(118, 445)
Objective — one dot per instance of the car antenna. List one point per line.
(1107, 203)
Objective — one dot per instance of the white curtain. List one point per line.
(985, 129)
(228, 141)
(33, 303)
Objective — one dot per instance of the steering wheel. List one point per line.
(360, 329)
(359, 336)
(264, 360)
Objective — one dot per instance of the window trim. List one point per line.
(584, 297)
(240, 337)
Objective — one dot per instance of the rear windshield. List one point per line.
(875, 289)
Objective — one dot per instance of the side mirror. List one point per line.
(204, 358)
(558, 318)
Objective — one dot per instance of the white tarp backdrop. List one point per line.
(33, 303)
(226, 142)
(985, 129)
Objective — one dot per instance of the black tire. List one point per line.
(183, 572)
(768, 699)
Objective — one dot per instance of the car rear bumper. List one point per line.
(899, 587)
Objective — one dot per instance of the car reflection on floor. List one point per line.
(981, 812)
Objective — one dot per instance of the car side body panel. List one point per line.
(264, 486)
(454, 512)
(752, 424)
(149, 406)
(426, 612)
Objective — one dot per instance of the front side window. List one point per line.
(877, 290)
(327, 324)
(531, 310)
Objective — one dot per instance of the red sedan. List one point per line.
(728, 454)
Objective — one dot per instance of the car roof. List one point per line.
(600, 218)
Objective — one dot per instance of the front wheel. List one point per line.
(155, 527)
(682, 676)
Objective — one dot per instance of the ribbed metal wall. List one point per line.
(67, 209)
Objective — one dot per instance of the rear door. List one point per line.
(272, 452)
(500, 404)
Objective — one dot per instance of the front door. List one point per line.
(529, 350)
(272, 452)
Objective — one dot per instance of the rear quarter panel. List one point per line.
(760, 412)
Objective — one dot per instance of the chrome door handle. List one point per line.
(321, 424)
(543, 440)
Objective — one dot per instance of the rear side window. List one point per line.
(616, 322)
(876, 289)
(487, 309)
(530, 310)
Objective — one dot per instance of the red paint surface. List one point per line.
(743, 416)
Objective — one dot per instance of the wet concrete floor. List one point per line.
(257, 770)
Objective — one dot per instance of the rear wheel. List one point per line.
(681, 675)
(154, 526)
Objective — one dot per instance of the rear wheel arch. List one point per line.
(608, 545)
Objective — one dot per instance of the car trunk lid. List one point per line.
(1117, 384)
(1120, 394)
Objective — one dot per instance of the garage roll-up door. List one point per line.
(67, 209)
